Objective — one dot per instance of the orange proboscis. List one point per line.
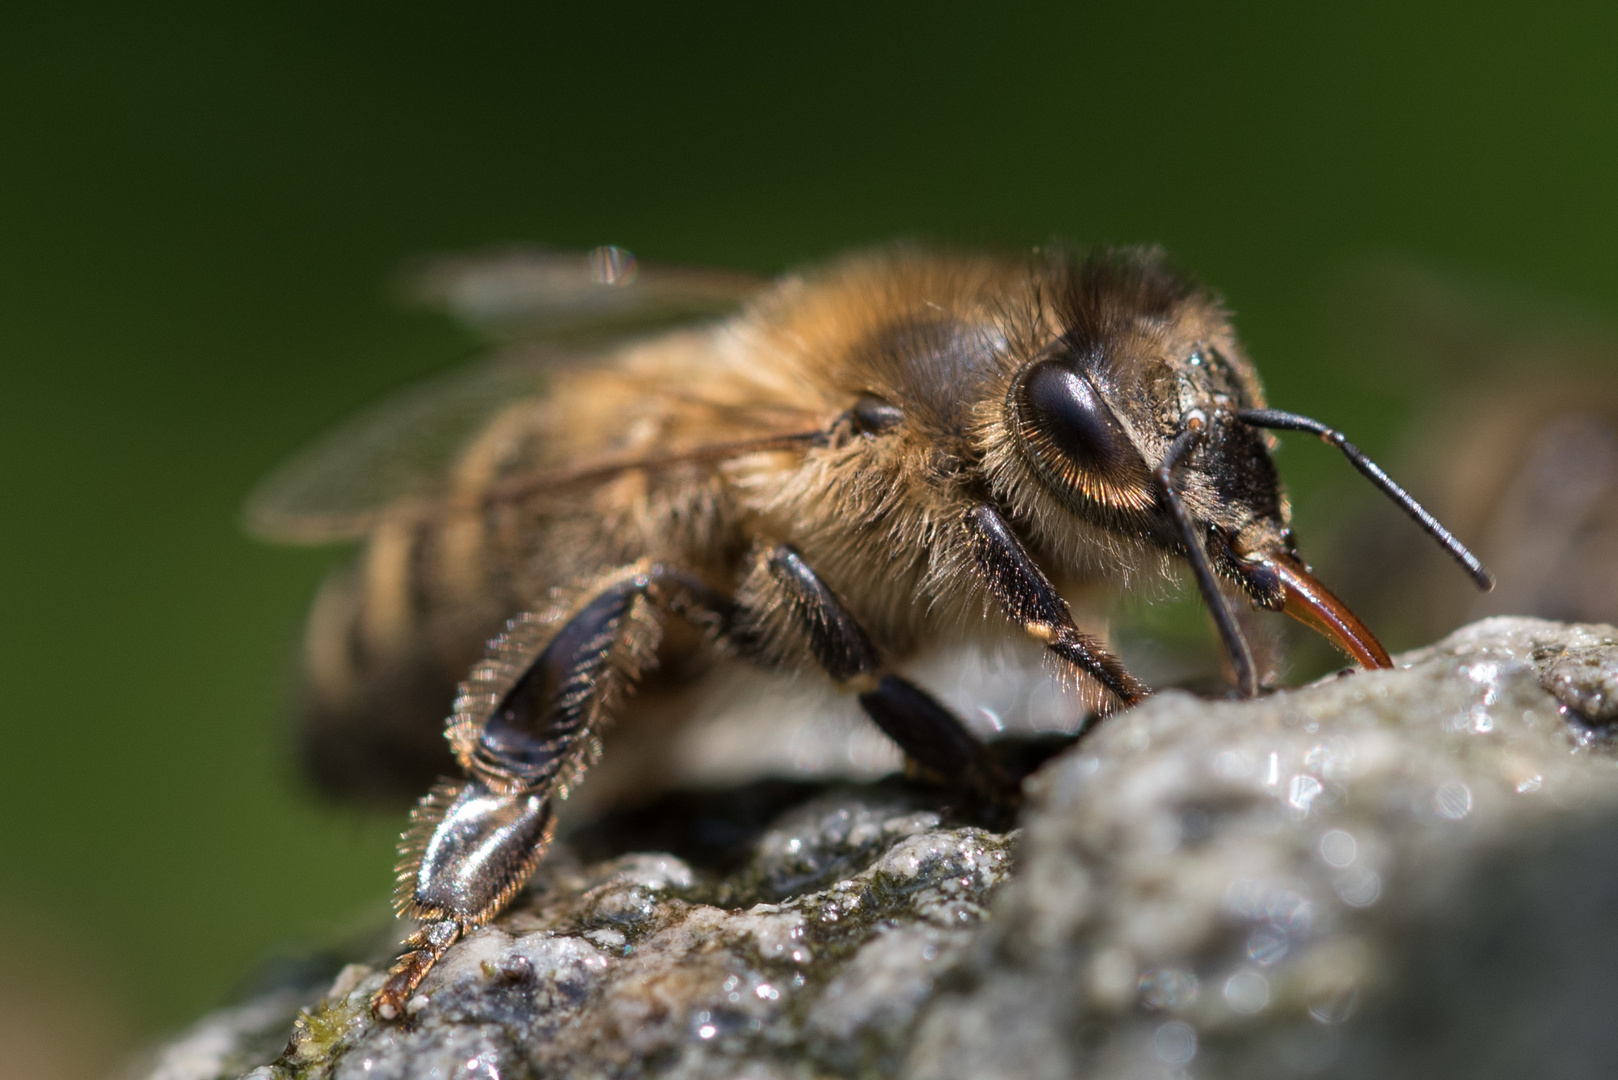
(1312, 604)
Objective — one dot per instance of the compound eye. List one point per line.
(1061, 413)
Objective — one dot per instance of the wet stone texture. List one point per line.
(1391, 874)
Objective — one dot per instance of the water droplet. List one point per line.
(610, 265)
(1332, 759)
(1247, 992)
(1302, 791)
(707, 1031)
(1168, 988)
(1267, 946)
(1335, 1006)
(1531, 783)
(1175, 1043)
(1453, 800)
(1248, 899)
(1361, 888)
(1338, 848)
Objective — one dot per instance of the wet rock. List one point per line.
(1584, 678)
(1403, 873)
(813, 957)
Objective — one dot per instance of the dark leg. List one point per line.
(525, 726)
(1224, 616)
(530, 722)
(932, 736)
(928, 733)
(1029, 599)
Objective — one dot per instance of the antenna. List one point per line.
(1285, 421)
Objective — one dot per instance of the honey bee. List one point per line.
(898, 448)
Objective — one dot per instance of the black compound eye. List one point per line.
(1061, 411)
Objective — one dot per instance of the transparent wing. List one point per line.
(558, 306)
(397, 452)
(534, 292)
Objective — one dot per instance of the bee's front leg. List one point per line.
(1029, 599)
(526, 724)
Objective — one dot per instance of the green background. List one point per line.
(200, 209)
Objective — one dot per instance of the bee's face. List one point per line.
(1139, 357)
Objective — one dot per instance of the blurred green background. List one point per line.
(201, 206)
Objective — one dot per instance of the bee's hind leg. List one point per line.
(525, 726)
(786, 599)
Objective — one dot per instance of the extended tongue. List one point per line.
(1308, 601)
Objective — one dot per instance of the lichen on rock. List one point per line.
(1383, 874)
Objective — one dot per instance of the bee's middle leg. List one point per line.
(1028, 598)
(805, 608)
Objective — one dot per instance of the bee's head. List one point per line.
(1136, 416)
(1139, 355)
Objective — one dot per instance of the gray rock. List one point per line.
(1403, 873)
(1384, 874)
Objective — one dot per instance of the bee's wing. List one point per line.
(559, 307)
(537, 293)
(397, 452)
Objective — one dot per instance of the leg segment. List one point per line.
(836, 641)
(525, 726)
(1027, 597)
(926, 731)
(526, 722)
(932, 735)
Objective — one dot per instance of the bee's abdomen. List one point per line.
(388, 639)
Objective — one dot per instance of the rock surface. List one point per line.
(1403, 873)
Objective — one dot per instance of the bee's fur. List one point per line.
(878, 454)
